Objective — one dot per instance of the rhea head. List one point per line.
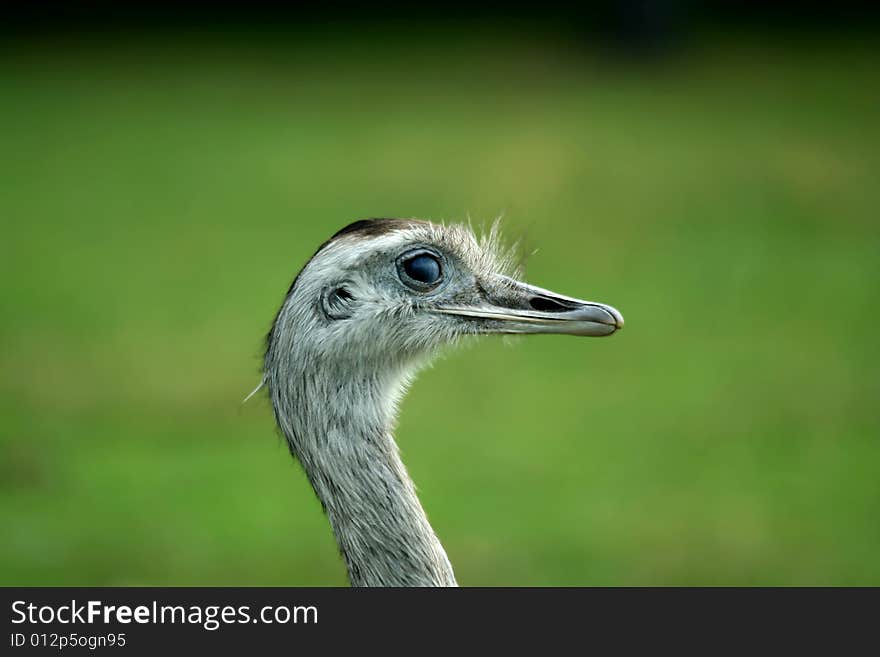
(393, 290)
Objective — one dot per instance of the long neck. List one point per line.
(339, 429)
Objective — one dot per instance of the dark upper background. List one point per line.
(711, 172)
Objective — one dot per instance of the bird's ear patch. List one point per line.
(337, 302)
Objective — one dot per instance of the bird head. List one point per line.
(397, 289)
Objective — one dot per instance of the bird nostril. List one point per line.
(547, 305)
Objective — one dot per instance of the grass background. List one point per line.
(158, 193)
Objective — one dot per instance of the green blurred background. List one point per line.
(159, 189)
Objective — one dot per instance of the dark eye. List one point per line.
(423, 268)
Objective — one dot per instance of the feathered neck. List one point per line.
(338, 425)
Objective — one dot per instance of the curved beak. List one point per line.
(516, 307)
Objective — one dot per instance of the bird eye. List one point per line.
(423, 268)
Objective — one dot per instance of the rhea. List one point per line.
(366, 311)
